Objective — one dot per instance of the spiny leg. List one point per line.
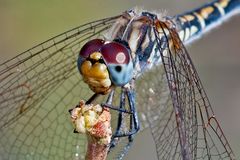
(116, 108)
(134, 123)
(120, 114)
(127, 93)
(90, 100)
(121, 109)
(120, 118)
(93, 98)
(110, 98)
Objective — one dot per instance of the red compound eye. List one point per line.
(90, 47)
(115, 53)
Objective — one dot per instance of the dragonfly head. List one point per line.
(104, 64)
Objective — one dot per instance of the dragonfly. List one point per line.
(151, 81)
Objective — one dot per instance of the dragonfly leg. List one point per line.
(134, 125)
(120, 118)
(91, 99)
(121, 109)
(134, 122)
(127, 95)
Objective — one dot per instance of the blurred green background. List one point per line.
(26, 23)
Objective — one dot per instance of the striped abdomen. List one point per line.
(137, 30)
(194, 23)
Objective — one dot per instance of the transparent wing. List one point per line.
(177, 108)
(37, 88)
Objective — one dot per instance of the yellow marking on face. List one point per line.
(97, 70)
(96, 75)
(201, 20)
(205, 12)
(96, 56)
(85, 67)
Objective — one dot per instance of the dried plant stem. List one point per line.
(96, 151)
(99, 137)
(95, 122)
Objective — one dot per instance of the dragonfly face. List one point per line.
(103, 64)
